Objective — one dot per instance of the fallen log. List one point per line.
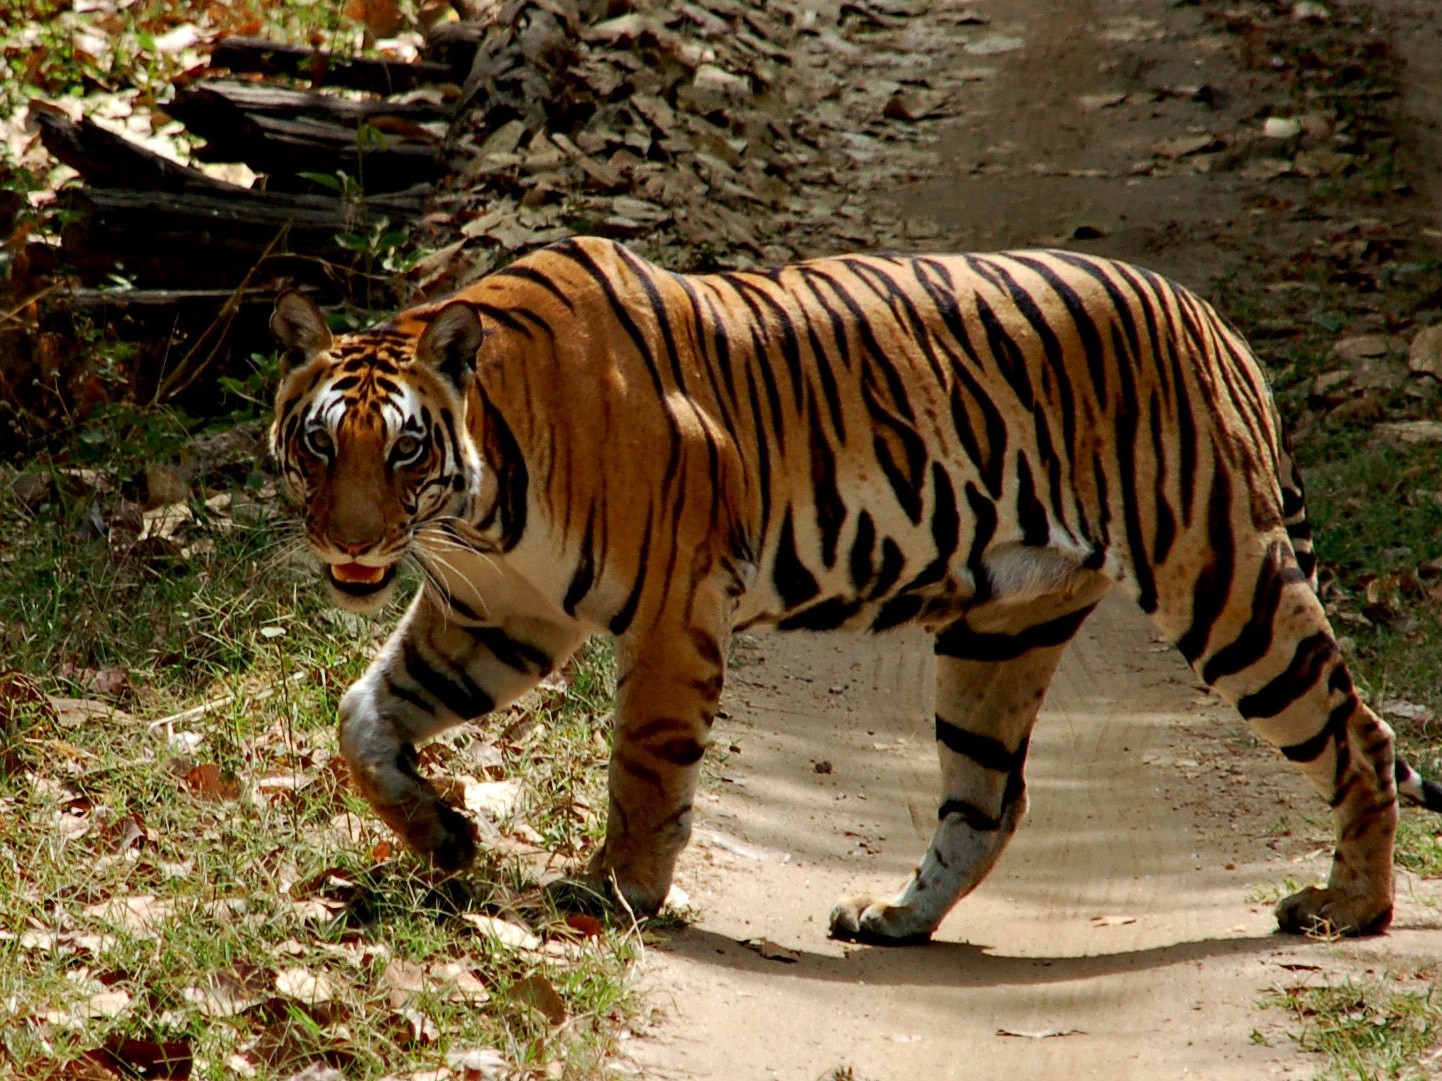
(157, 238)
(281, 147)
(256, 55)
(106, 160)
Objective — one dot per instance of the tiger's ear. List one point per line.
(450, 343)
(300, 327)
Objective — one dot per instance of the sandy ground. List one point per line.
(1128, 930)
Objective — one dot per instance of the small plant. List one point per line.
(1367, 1032)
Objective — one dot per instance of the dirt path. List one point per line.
(1131, 917)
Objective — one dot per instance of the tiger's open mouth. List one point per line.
(359, 580)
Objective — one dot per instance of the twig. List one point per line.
(220, 703)
(31, 299)
(185, 373)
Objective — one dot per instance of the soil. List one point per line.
(1127, 932)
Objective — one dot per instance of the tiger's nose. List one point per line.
(354, 533)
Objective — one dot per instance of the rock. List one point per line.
(1425, 354)
(1411, 431)
(1281, 127)
(1329, 381)
(1362, 347)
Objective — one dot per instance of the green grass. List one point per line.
(1368, 1031)
(190, 883)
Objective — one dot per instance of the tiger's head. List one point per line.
(370, 438)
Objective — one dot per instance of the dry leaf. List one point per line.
(160, 1060)
(584, 926)
(74, 712)
(205, 780)
(771, 951)
(538, 993)
(1112, 921)
(381, 18)
(303, 985)
(484, 1063)
(138, 913)
(225, 994)
(413, 1028)
(1041, 1033)
(511, 935)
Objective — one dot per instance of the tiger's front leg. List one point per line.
(668, 685)
(437, 670)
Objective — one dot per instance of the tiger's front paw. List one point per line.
(862, 919)
(1316, 911)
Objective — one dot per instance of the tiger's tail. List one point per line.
(1416, 789)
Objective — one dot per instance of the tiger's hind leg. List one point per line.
(992, 672)
(1265, 644)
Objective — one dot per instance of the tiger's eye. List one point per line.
(320, 441)
(405, 448)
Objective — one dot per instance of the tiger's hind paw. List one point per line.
(862, 919)
(1328, 912)
(457, 847)
(433, 829)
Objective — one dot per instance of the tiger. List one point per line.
(584, 443)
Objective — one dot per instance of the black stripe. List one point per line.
(1214, 583)
(681, 751)
(1127, 411)
(969, 813)
(503, 455)
(985, 751)
(945, 519)
(1086, 328)
(795, 585)
(961, 643)
(892, 564)
(988, 455)
(830, 508)
(504, 316)
(1334, 731)
(1008, 358)
(1030, 514)
(408, 695)
(1051, 346)
(826, 615)
(780, 319)
(531, 274)
(900, 609)
(646, 275)
(622, 619)
(859, 561)
(453, 689)
(983, 517)
(1164, 529)
(512, 652)
(1255, 639)
(1302, 674)
(585, 573)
